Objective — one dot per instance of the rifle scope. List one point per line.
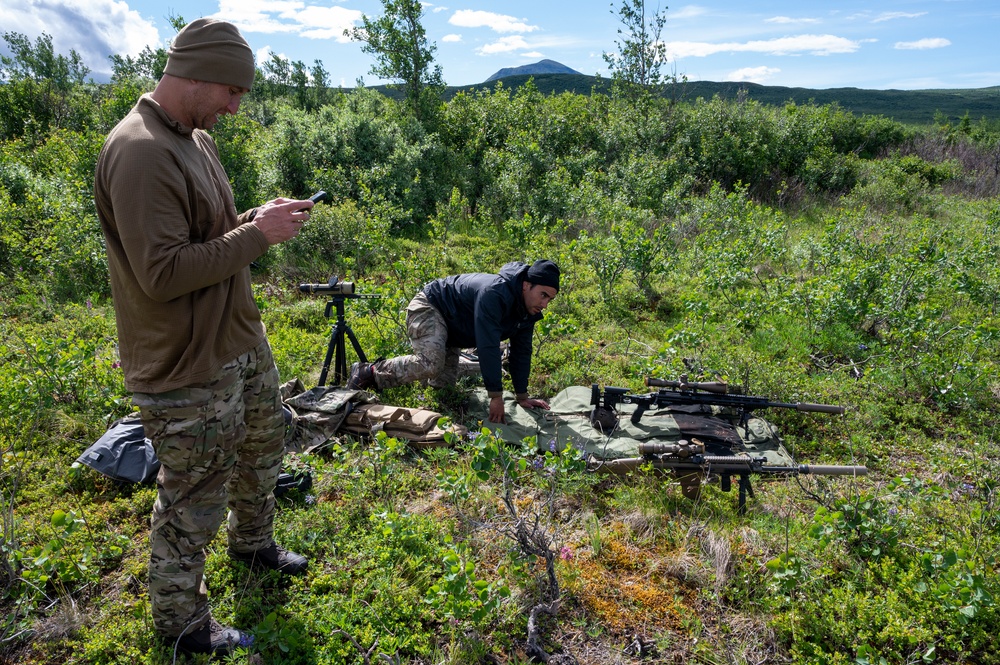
(333, 287)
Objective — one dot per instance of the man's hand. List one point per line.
(497, 410)
(529, 403)
(281, 219)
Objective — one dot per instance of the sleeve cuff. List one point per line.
(520, 397)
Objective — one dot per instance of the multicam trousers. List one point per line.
(432, 360)
(219, 444)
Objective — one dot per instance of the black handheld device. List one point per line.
(315, 198)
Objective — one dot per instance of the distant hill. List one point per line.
(540, 67)
(908, 106)
(914, 107)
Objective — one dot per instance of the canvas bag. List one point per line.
(419, 427)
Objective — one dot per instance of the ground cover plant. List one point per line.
(806, 252)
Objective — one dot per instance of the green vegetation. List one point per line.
(812, 253)
(917, 107)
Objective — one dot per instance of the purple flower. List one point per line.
(246, 641)
(538, 464)
(565, 553)
(552, 445)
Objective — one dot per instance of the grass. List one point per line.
(415, 555)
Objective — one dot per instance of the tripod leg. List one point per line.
(340, 373)
(357, 346)
(340, 363)
(326, 361)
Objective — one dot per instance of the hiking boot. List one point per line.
(212, 638)
(362, 377)
(273, 557)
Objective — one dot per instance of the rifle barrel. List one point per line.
(821, 408)
(828, 470)
(726, 464)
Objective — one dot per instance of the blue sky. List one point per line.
(901, 44)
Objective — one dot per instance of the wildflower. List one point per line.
(90, 305)
(538, 463)
(310, 499)
(116, 364)
(893, 511)
(246, 641)
(552, 445)
(565, 553)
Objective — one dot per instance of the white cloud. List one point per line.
(753, 74)
(95, 29)
(922, 44)
(289, 17)
(789, 20)
(889, 16)
(798, 45)
(687, 11)
(533, 54)
(259, 15)
(262, 55)
(468, 18)
(504, 45)
(451, 38)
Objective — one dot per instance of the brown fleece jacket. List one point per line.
(178, 253)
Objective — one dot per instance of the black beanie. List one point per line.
(544, 273)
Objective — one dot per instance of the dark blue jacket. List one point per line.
(482, 310)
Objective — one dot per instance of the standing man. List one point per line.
(471, 310)
(192, 344)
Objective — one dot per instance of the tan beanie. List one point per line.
(210, 50)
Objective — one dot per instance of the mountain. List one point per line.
(540, 67)
(917, 107)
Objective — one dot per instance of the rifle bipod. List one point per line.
(745, 487)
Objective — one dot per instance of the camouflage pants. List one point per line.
(220, 445)
(432, 360)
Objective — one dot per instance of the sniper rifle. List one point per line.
(687, 460)
(713, 393)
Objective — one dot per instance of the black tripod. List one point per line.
(336, 350)
(338, 345)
